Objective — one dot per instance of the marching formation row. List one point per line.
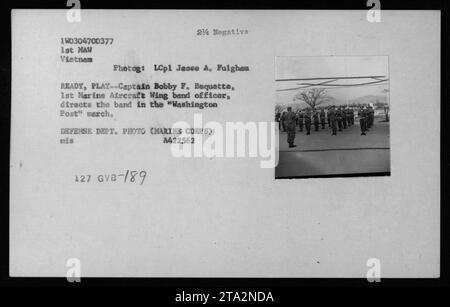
(336, 117)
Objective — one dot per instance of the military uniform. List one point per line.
(307, 118)
(332, 119)
(322, 118)
(371, 116)
(339, 119)
(344, 118)
(316, 120)
(349, 116)
(300, 121)
(290, 122)
(362, 114)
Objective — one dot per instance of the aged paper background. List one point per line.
(220, 217)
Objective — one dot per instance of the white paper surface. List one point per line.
(219, 217)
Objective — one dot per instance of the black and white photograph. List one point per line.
(333, 115)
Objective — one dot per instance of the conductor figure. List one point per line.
(291, 122)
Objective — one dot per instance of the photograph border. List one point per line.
(343, 175)
(163, 289)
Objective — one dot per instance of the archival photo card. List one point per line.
(224, 143)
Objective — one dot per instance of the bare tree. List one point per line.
(312, 97)
(278, 109)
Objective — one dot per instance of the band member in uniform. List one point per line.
(349, 116)
(352, 116)
(316, 120)
(291, 122)
(332, 118)
(307, 118)
(328, 118)
(344, 117)
(362, 114)
(300, 120)
(339, 118)
(322, 118)
(371, 114)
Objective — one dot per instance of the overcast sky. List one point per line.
(330, 67)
